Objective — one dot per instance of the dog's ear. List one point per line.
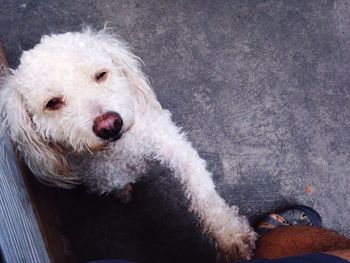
(49, 165)
(130, 67)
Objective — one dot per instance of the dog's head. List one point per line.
(72, 92)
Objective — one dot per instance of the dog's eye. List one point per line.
(101, 76)
(54, 104)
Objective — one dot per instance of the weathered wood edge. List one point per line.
(20, 235)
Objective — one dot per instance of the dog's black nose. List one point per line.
(108, 126)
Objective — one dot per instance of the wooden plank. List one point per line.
(43, 200)
(20, 236)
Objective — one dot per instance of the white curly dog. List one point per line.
(80, 110)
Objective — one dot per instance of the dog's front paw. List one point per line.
(237, 247)
(234, 237)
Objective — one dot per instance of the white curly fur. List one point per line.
(61, 148)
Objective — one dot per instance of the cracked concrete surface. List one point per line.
(261, 87)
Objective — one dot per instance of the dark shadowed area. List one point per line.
(262, 89)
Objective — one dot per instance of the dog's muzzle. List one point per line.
(108, 126)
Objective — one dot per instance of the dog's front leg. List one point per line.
(231, 232)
